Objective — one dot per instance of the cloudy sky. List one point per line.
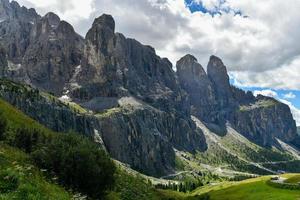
(258, 40)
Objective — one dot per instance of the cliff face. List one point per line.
(134, 133)
(41, 51)
(216, 102)
(114, 66)
(266, 120)
(3, 61)
(53, 54)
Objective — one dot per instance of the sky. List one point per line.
(258, 40)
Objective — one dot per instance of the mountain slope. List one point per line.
(123, 95)
(249, 190)
(19, 179)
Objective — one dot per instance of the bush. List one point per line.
(28, 139)
(78, 163)
(3, 126)
(8, 182)
(284, 185)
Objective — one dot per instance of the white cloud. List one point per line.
(268, 93)
(289, 95)
(73, 11)
(260, 50)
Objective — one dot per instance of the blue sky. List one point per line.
(286, 96)
(199, 7)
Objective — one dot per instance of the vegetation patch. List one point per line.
(75, 161)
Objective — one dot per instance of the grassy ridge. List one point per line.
(74, 160)
(251, 189)
(293, 179)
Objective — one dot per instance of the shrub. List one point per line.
(3, 126)
(8, 182)
(78, 163)
(28, 139)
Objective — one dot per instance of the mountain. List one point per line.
(214, 101)
(42, 51)
(130, 101)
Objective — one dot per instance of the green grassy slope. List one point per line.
(251, 189)
(31, 184)
(234, 154)
(293, 179)
(19, 179)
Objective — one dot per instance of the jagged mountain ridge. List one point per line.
(213, 100)
(42, 51)
(138, 105)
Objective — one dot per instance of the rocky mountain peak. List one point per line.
(101, 33)
(105, 21)
(217, 73)
(189, 66)
(65, 27)
(52, 19)
(4, 7)
(216, 70)
(104, 25)
(12, 10)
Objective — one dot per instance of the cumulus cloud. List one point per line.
(268, 93)
(73, 11)
(289, 95)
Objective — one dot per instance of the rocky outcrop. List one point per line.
(114, 66)
(42, 51)
(264, 121)
(136, 134)
(53, 54)
(217, 73)
(3, 61)
(145, 138)
(15, 26)
(201, 92)
(216, 102)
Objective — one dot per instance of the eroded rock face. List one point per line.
(53, 54)
(264, 121)
(3, 62)
(118, 67)
(15, 26)
(41, 51)
(216, 102)
(139, 135)
(145, 138)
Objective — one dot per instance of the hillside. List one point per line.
(20, 179)
(256, 188)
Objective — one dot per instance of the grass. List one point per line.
(251, 189)
(19, 179)
(293, 179)
(17, 119)
(259, 104)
